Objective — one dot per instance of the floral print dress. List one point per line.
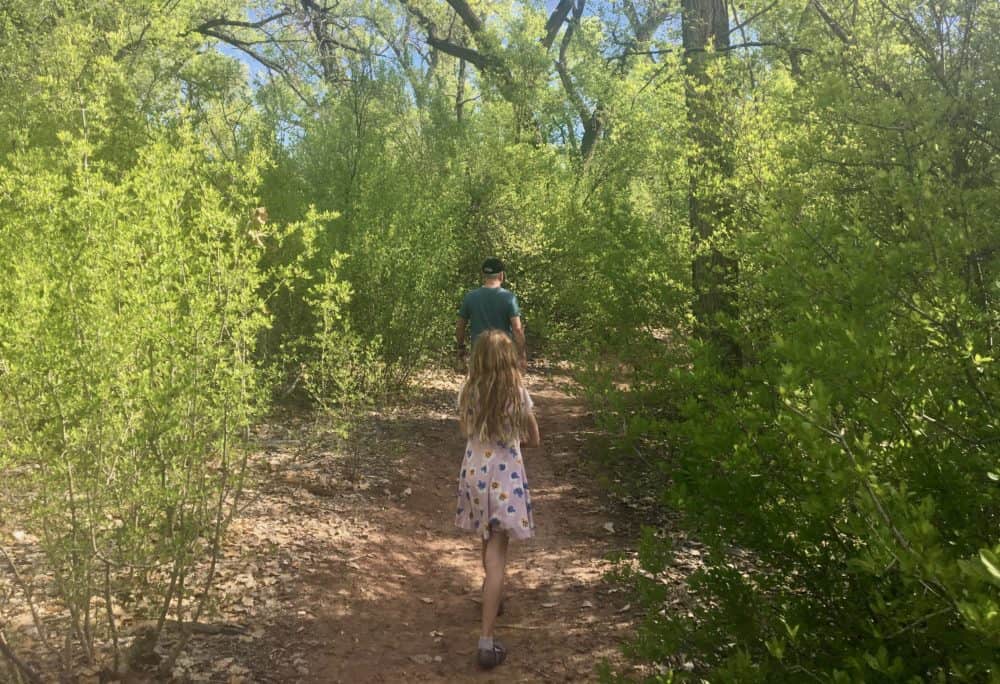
(493, 488)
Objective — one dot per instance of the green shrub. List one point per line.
(128, 315)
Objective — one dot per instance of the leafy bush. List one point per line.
(845, 477)
(128, 315)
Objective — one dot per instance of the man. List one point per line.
(490, 307)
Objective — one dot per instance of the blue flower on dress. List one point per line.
(468, 453)
(518, 492)
(484, 468)
(494, 521)
(503, 466)
(515, 476)
(459, 511)
(512, 509)
(481, 485)
(529, 507)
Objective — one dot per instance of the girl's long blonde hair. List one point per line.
(490, 405)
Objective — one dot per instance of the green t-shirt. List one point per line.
(489, 308)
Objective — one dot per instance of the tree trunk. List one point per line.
(705, 37)
(460, 91)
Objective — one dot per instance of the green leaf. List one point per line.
(991, 563)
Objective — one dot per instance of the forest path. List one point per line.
(350, 569)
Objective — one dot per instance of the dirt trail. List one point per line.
(349, 568)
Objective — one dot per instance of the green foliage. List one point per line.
(841, 476)
(127, 317)
(129, 312)
(844, 476)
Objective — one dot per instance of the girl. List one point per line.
(495, 414)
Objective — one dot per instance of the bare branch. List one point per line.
(593, 121)
(563, 71)
(22, 667)
(647, 27)
(838, 30)
(555, 22)
(434, 39)
(223, 21)
(643, 29)
(469, 18)
(246, 48)
(753, 17)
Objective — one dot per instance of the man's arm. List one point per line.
(460, 345)
(522, 351)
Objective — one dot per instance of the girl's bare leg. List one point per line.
(500, 611)
(494, 563)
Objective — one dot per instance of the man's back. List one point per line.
(489, 308)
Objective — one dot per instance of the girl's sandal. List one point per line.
(491, 657)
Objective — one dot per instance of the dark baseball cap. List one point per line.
(492, 266)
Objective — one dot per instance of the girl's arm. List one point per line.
(534, 438)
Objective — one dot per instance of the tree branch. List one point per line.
(468, 17)
(245, 47)
(224, 21)
(838, 30)
(22, 667)
(434, 39)
(848, 40)
(642, 32)
(756, 15)
(647, 27)
(555, 22)
(563, 72)
(592, 121)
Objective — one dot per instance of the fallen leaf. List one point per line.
(587, 604)
(550, 604)
(610, 527)
(426, 600)
(222, 664)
